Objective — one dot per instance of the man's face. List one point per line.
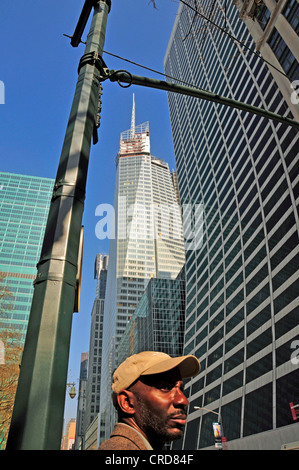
(161, 406)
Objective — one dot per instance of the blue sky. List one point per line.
(38, 67)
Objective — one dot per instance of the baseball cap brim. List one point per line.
(188, 366)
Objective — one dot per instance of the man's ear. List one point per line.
(126, 401)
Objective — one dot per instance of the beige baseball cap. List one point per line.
(152, 362)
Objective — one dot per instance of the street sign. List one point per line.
(294, 410)
(217, 430)
(217, 434)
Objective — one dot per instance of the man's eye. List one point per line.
(165, 386)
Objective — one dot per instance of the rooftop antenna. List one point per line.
(133, 118)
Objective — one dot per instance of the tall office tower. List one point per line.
(68, 440)
(242, 282)
(274, 26)
(95, 345)
(158, 321)
(80, 431)
(24, 207)
(148, 242)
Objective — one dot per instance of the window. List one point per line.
(284, 55)
(263, 16)
(291, 13)
(258, 410)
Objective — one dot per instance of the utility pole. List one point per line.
(37, 419)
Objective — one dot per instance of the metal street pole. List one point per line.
(39, 404)
(216, 413)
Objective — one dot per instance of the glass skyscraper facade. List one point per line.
(242, 283)
(24, 207)
(158, 323)
(147, 243)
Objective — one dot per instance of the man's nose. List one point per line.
(180, 398)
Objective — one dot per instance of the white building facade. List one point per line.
(147, 243)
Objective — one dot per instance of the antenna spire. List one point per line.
(133, 118)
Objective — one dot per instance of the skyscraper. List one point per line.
(95, 344)
(158, 321)
(79, 435)
(242, 284)
(24, 207)
(147, 242)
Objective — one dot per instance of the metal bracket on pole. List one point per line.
(63, 188)
(85, 13)
(97, 121)
(94, 58)
(126, 77)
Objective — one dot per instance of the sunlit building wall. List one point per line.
(274, 27)
(242, 283)
(81, 406)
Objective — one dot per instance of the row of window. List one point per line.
(246, 416)
(282, 52)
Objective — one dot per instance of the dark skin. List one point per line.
(156, 406)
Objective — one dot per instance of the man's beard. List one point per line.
(153, 426)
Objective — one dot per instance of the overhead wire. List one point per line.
(152, 70)
(224, 30)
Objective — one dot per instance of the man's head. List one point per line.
(148, 391)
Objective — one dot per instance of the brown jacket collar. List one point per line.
(124, 437)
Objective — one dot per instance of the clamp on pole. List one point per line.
(68, 189)
(94, 58)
